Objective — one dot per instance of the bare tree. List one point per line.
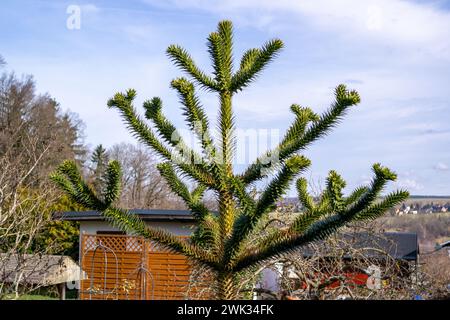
(143, 186)
(436, 266)
(32, 124)
(337, 269)
(23, 215)
(34, 137)
(341, 267)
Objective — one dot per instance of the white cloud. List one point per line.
(89, 8)
(440, 166)
(409, 184)
(88, 97)
(394, 22)
(365, 180)
(272, 101)
(142, 33)
(388, 81)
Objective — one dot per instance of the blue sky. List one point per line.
(395, 53)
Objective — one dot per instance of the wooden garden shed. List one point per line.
(123, 266)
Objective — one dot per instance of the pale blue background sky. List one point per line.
(395, 53)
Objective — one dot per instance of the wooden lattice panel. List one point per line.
(127, 267)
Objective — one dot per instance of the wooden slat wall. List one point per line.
(126, 267)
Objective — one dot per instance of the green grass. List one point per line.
(44, 293)
(36, 297)
(31, 297)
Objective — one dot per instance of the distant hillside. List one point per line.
(431, 228)
(414, 204)
(428, 197)
(416, 198)
(427, 201)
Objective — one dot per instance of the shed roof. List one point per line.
(144, 214)
(38, 269)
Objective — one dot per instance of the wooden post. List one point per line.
(62, 290)
(81, 250)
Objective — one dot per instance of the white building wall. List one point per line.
(176, 227)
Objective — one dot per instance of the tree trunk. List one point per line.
(226, 286)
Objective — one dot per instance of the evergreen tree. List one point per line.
(99, 161)
(220, 241)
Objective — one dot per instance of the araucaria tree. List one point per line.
(220, 241)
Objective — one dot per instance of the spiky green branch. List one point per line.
(222, 240)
